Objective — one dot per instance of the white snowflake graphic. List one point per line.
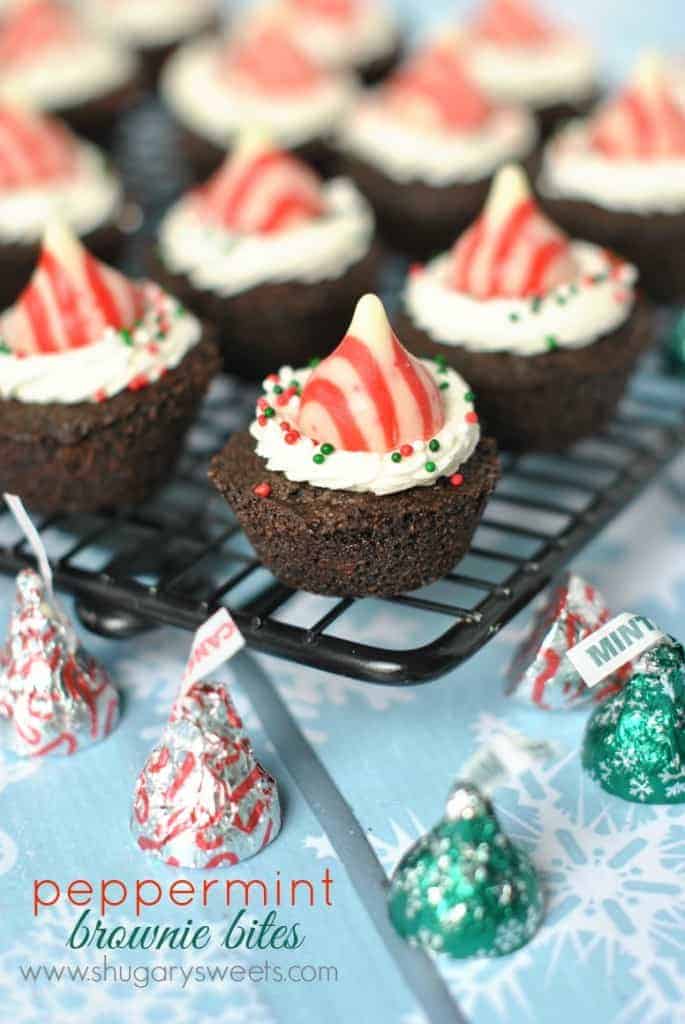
(321, 845)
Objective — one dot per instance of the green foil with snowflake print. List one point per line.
(675, 345)
(635, 741)
(464, 889)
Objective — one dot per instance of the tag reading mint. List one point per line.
(621, 640)
(217, 640)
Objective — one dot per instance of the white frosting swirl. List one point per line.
(226, 263)
(62, 76)
(103, 369)
(85, 200)
(405, 153)
(372, 472)
(571, 316)
(572, 170)
(217, 109)
(370, 36)
(149, 22)
(539, 76)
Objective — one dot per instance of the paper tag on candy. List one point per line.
(217, 640)
(16, 507)
(623, 639)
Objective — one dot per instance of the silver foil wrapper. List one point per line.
(54, 697)
(203, 800)
(540, 672)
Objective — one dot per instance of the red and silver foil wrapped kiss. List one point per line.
(202, 799)
(540, 672)
(54, 697)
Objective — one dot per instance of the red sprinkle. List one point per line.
(620, 296)
(286, 396)
(406, 449)
(456, 480)
(471, 417)
(285, 426)
(100, 395)
(415, 268)
(153, 348)
(273, 378)
(292, 436)
(262, 402)
(262, 490)
(138, 382)
(262, 421)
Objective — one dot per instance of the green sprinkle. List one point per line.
(294, 383)
(430, 467)
(599, 278)
(327, 448)
(126, 336)
(314, 362)
(551, 342)
(444, 384)
(180, 310)
(561, 300)
(278, 390)
(396, 457)
(319, 459)
(514, 317)
(269, 412)
(536, 304)
(160, 336)
(434, 445)
(573, 288)
(4, 347)
(469, 396)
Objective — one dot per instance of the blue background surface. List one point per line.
(612, 949)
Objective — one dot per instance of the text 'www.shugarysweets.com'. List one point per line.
(145, 895)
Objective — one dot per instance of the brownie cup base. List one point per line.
(18, 259)
(354, 545)
(654, 242)
(90, 456)
(97, 118)
(417, 219)
(549, 401)
(374, 71)
(555, 115)
(277, 324)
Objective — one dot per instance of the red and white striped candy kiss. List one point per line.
(370, 394)
(434, 89)
(512, 250)
(261, 189)
(70, 300)
(332, 10)
(510, 23)
(31, 26)
(645, 121)
(270, 60)
(33, 149)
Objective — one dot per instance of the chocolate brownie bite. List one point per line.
(366, 475)
(152, 29)
(518, 56)
(47, 172)
(216, 88)
(100, 377)
(547, 330)
(269, 254)
(49, 56)
(618, 178)
(424, 145)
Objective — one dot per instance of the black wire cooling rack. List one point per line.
(178, 557)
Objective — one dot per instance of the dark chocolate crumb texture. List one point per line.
(100, 377)
(362, 474)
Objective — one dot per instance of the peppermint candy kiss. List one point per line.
(32, 26)
(270, 61)
(70, 300)
(645, 121)
(509, 23)
(435, 88)
(261, 189)
(512, 250)
(370, 394)
(33, 149)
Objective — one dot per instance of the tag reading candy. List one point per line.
(623, 639)
(217, 640)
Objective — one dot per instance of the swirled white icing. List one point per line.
(99, 371)
(368, 471)
(371, 35)
(88, 198)
(227, 263)
(572, 316)
(218, 109)
(405, 153)
(573, 170)
(558, 72)
(149, 22)
(63, 76)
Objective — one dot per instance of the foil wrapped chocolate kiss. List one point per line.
(54, 697)
(202, 799)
